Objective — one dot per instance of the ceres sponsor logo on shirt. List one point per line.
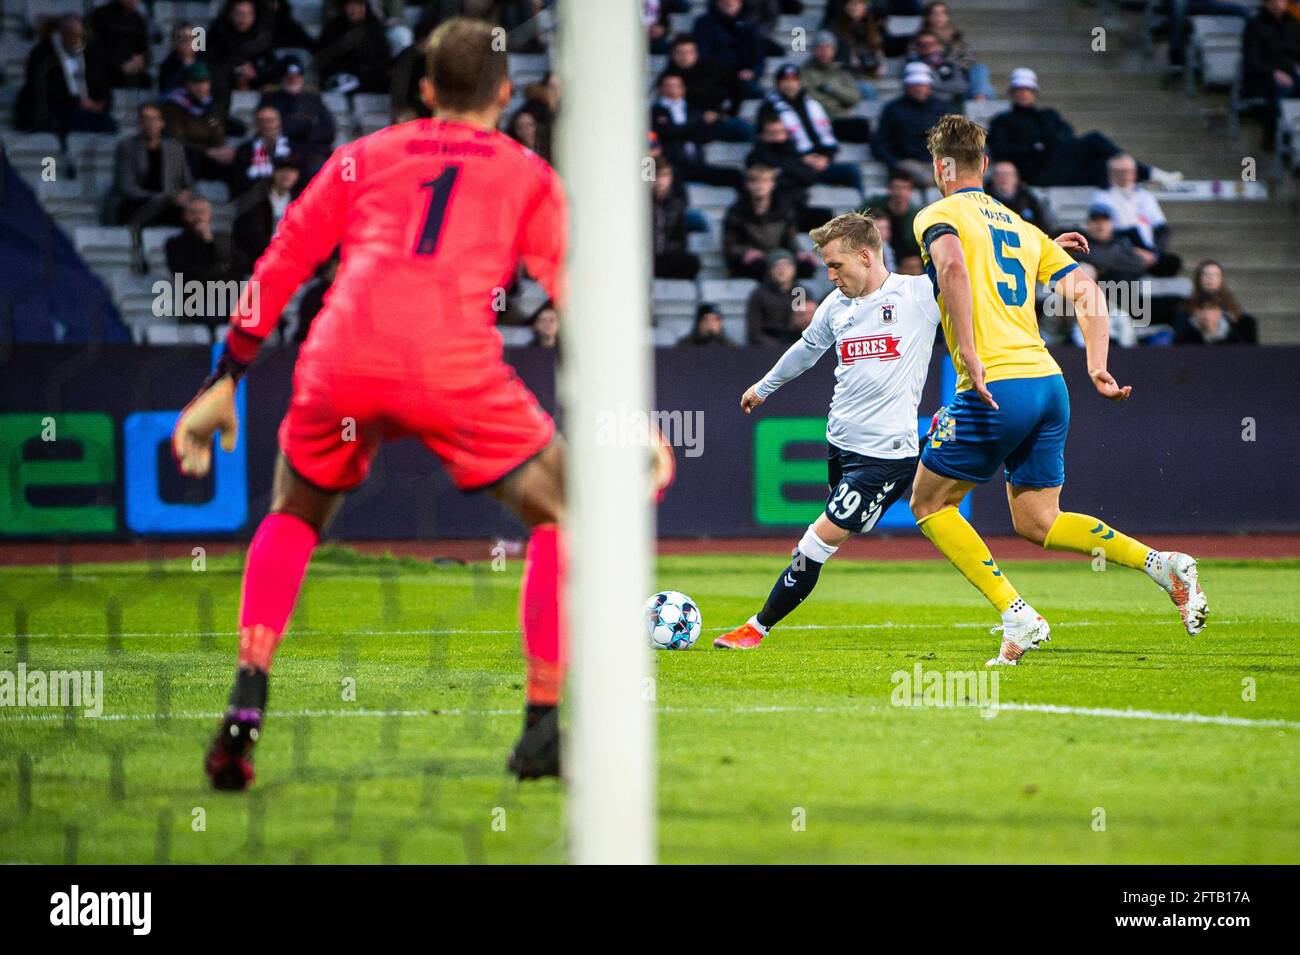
(881, 347)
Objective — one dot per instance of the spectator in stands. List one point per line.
(1270, 52)
(408, 68)
(391, 13)
(775, 150)
(286, 32)
(1005, 186)
(1207, 281)
(672, 258)
(1115, 257)
(192, 119)
(886, 231)
(352, 54)
(900, 142)
(709, 89)
(757, 224)
(307, 121)
(654, 18)
(202, 255)
(522, 128)
(954, 51)
(1177, 12)
(262, 207)
(1045, 149)
(1138, 215)
(240, 50)
(313, 300)
(683, 131)
(1063, 326)
(171, 72)
(899, 206)
(708, 329)
(542, 100)
(546, 327)
(951, 79)
(151, 179)
(810, 129)
(726, 38)
(861, 43)
(1206, 321)
(835, 88)
(67, 87)
(122, 33)
(774, 314)
(255, 159)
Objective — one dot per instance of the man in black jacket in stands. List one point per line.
(122, 34)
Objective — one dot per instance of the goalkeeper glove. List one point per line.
(210, 411)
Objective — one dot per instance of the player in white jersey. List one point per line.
(882, 326)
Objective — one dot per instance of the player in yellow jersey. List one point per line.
(1011, 408)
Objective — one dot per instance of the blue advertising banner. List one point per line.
(1206, 445)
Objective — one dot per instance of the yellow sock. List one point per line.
(1084, 535)
(961, 544)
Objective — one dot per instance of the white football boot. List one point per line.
(1177, 574)
(1025, 632)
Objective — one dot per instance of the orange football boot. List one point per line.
(744, 637)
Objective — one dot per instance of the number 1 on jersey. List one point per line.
(439, 198)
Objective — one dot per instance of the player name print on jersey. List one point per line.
(880, 347)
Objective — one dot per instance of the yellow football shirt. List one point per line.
(1005, 256)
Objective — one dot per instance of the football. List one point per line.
(672, 621)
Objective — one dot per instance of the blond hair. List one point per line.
(857, 231)
(959, 140)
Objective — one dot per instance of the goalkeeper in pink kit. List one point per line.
(431, 218)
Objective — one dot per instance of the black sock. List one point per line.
(251, 688)
(534, 712)
(795, 583)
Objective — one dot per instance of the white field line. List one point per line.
(1163, 620)
(1198, 719)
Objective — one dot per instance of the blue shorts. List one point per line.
(1026, 432)
(862, 488)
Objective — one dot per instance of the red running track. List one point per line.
(1210, 546)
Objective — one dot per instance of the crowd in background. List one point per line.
(186, 134)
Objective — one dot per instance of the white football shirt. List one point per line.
(883, 343)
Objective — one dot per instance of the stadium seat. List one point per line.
(243, 103)
(1069, 204)
(1288, 133)
(218, 193)
(516, 336)
(372, 103)
(868, 109)
(838, 198)
(727, 154)
(734, 328)
(1179, 286)
(982, 111)
(526, 68)
(154, 242)
(105, 248)
(900, 26)
(169, 333)
(670, 328)
(727, 291)
(700, 196)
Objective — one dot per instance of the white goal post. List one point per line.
(609, 750)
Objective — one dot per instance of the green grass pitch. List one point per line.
(397, 694)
